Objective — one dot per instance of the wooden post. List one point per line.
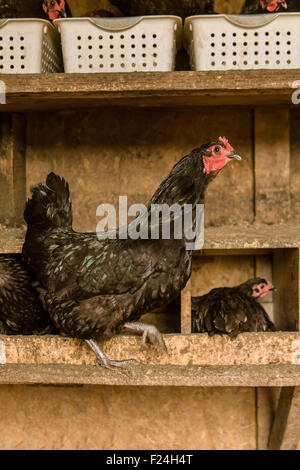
(12, 168)
(272, 164)
(285, 433)
(186, 309)
(286, 280)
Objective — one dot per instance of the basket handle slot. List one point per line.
(250, 21)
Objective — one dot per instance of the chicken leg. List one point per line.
(103, 360)
(150, 333)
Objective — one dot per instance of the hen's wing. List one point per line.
(257, 318)
(20, 307)
(85, 266)
(229, 311)
(222, 310)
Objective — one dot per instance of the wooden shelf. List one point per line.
(252, 237)
(152, 89)
(11, 239)
(232, 237)
(183, 349)
(148, 375)
(253, 359)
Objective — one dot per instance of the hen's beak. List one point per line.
(235, 155)
(273, 288)
(283, 4)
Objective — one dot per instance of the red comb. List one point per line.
(223, 140)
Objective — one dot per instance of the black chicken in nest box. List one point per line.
(45, 9)
(271, 6)
(232, 310)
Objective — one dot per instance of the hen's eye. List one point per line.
(256, 290)
(217, 149)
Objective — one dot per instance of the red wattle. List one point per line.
(53, 15)
(214, 163)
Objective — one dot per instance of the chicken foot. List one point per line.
(103, 360)
(150, 333)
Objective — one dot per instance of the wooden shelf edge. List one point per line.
(232, 237)
(180, 88)
(149, 375)
(183, 350)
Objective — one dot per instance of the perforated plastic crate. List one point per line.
(29, 46)
(120, 44)
(223, 42)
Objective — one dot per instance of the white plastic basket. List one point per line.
(29, 46)
(120, 44)
(226, 42)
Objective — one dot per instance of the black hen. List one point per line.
(21, 310)
(232, 310)
(181, 8)
(269, 6)
(96, 287)
(45, 9)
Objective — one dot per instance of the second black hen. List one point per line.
(232, 310)
(21, 310)
(97, 287)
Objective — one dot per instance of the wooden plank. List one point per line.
(224, 240)
(252, 236)
(186, 309)
(286, 297)
(295, 164)
(19, 165)
(12, 168)
(234, 252)
(285, 432)
(11, 239)
(266, 404)
(272, 165)
(186, 88)
(149, 375)
(99, 417)
(197, 349)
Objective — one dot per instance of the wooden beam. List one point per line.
(12, 168)
(285, 433)
(181, 88)
(286, 297)
(252, 237)
(198, 349)
(266, 404)
(150, 375)
(272, 165)
(260, 239)
(186, 309)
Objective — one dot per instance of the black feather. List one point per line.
(21, 310)
(230, 310)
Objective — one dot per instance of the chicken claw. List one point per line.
(150, 333)
(103, 360)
